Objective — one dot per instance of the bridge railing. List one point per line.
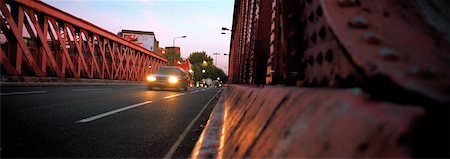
(40, 40)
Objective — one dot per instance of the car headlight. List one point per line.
(173, 79)
(151, 78)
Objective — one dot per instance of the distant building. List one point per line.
(145, 39)
(173, 48)
(162, 51)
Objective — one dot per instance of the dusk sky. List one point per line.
(200, 20)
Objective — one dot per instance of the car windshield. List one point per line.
(168, 71)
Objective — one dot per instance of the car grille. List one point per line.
(161, 79)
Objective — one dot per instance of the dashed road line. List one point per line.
(175, 95)
(93, 89)
(194, 91)
(112, 112)
(22, 93)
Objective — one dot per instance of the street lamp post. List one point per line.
(176, 38)
(216, 57)
(215, 61)
(226, 29)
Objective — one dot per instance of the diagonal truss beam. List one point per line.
(56, 44)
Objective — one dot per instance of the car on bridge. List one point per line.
(168, 77)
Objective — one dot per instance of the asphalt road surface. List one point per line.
(102, 121)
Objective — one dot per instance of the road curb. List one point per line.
(208, 144)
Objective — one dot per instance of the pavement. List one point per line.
(102, 121)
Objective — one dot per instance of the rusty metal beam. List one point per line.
(65, 42)
(8, 66)
(54, 12)
(20, 20)
(20, 42)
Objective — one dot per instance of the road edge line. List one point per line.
(22, 93)
(183, 135)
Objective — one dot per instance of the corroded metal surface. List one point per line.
(280, 122)
(391, 38)
(324, 59)
(381, 46)
(390, 53)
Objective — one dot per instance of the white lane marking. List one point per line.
(194, 91)
(175, 95)
(183, 135)
(112, 112)
(204, 89)
(93, 89)
(22, 93)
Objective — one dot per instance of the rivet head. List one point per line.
(371, 67)
(291, 34)
(359, 22)
(303, 61)
(389, 54)
(372, 38)
(356, 91)
(347, 3)
(294, 53)
(290, 16)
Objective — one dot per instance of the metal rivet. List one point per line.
(359, 22)
(347, 3)
(371, 67)
(291, 34)
(293, 53)
(303, 61)
(389, 54)
(356, 91)
(372, 38)
(290, 16)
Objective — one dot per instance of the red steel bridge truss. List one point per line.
(383, 46)
(392, 51)
(42, 41)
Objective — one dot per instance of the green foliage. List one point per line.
(211, 71)
(198, 57)
(170, 56)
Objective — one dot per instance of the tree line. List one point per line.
(200, 61)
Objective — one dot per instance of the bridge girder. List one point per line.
(43, 41)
